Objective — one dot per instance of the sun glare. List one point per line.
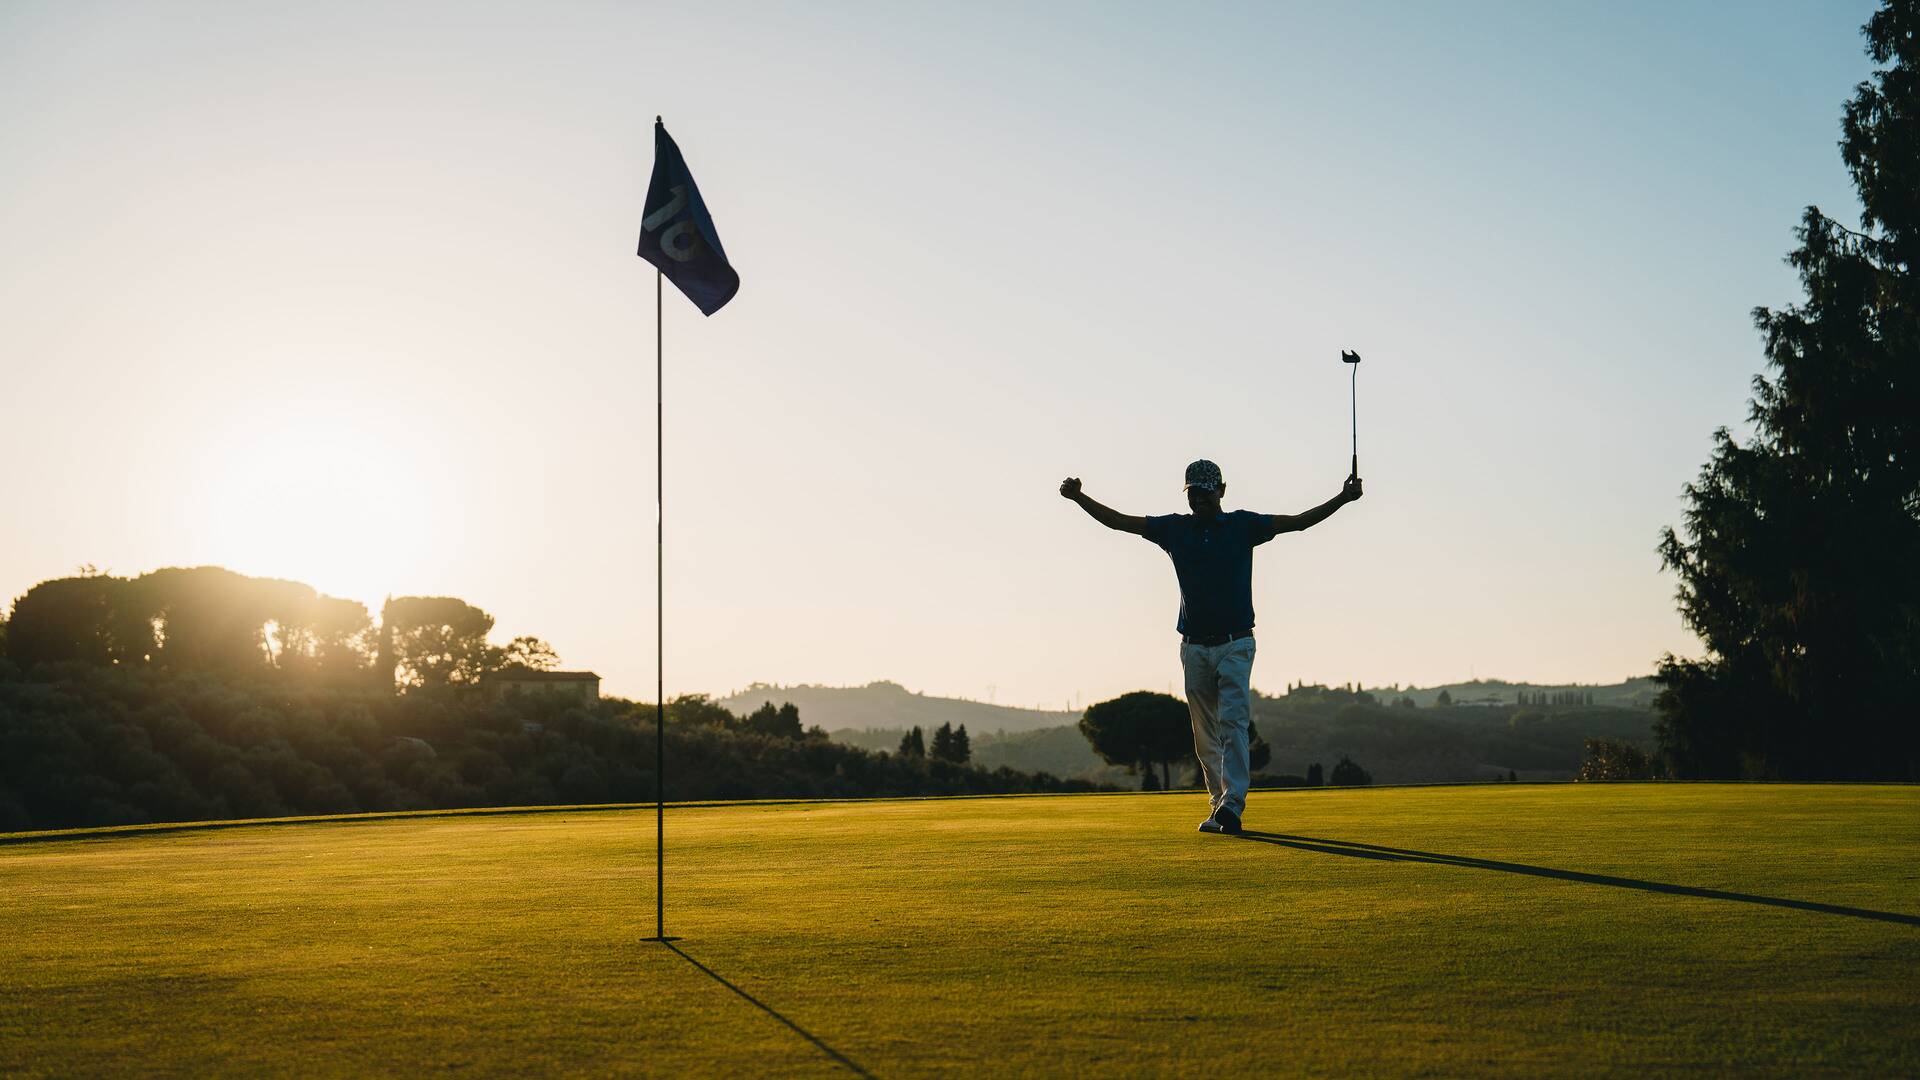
(319, 499)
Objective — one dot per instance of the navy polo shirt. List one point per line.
(1214, 561)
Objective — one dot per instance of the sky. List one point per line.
(346, 293)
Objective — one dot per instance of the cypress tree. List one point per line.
(1799, 556)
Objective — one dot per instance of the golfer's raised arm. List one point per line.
(1105, 515)
(1285, 523)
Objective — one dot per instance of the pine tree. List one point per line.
(1799, 563)
(912, 744)
(942, 749)
(1348, 773)
(961, 746)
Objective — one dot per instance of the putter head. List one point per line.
(1348, 356)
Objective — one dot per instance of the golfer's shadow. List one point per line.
(1388, 854)
(836, 1055)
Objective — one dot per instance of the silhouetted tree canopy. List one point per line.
(438, 640)
(530, 652)
(1799, 562)
(951, 744)
(1140, 729)
(1348, 773)
(783, 722)
(699, 710)
(201, 618)
(913, 744)
(210, 619)
(66, 619)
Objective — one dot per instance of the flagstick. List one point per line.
(660, 621)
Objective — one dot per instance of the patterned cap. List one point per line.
(1205, 475)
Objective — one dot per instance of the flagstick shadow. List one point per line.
(1389, 854)
(770, 1011)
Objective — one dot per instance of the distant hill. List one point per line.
(1062, 751)
(892, 706)
(1635, 693)
(1484, 734)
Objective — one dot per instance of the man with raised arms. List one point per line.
(1212, 553)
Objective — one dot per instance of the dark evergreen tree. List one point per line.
(913, 744)
(1799, 563)
(783, 722)
(942, 749)
(961, 746)
(1348, 773)
(1315, 775)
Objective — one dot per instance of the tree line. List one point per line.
(196, 694)
(211, 619)
(1543, 698)
(949, 744)
(86, 745)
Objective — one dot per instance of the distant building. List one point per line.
(583, 686)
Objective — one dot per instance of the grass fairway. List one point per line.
(1525, 930)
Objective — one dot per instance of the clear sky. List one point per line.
(346, 293)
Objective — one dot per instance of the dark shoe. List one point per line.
(1226, 821)
(1210, 825)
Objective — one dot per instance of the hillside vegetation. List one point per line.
(82, 744)
(892, 706)
(1398, 744)
(1515, 930)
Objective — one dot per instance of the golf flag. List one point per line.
(677, 233)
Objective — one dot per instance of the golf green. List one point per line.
(1555, 929)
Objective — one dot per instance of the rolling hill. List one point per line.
(892, 706)
(1479, 738)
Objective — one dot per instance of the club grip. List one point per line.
(1354, 469)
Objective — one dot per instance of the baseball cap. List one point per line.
(1205, 475)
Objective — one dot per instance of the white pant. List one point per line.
(1219, 705)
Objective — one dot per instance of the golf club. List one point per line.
(1348, 356)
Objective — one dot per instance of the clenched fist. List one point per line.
(1070, 487)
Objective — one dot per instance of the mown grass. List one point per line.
(1509, 929)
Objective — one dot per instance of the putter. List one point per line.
(1348, 356)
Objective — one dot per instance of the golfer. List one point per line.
(1212, 554)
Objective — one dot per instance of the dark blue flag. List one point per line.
(677, 234)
